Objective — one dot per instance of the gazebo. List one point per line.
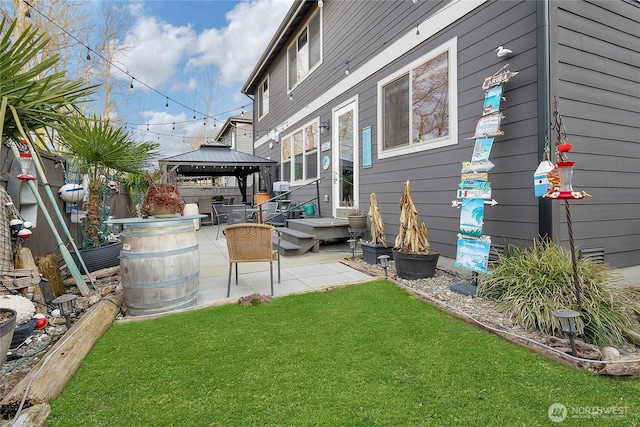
(217, 159)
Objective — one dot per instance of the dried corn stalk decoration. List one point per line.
(412, 238)
(377, 225)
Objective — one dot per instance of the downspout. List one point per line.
(545, 223)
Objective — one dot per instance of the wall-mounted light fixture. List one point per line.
(324, 127)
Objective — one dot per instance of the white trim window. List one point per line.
(263, 98)
(300, 149)
(305, 54)
(417, 105)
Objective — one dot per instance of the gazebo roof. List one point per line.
(215, 159)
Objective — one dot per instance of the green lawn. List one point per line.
(364, 355)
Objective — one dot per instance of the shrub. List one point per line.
(529, 284)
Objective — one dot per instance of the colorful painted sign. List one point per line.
(482, 149)
(500, 77)
(473, 177)
(474, 193)
(488, 126)
(492, 99)
(471, 218)
(483, 166)
(473, 255)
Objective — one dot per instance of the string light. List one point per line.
(88, 54)
(131, 85)
(346, 72)
(417, 31)
(167, 104)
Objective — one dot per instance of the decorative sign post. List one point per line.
(474, 190)
(560, 187)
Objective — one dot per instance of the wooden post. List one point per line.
(48, 267)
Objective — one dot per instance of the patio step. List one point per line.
(324, 229)
(297, 242)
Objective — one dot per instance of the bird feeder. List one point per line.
(25, 160)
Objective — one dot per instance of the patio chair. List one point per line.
(249, 242)
(274, 216)
(206, 208)
(236, 214)
(220, 215)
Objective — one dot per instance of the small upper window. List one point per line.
(305, 53)
(418, 105)
(263, 98)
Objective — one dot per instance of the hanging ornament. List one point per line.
(71, 193)
(24, 234)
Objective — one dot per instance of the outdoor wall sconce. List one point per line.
(352, 246)
(384, 262)
(568, 324)
(324, 127)
(66, 306)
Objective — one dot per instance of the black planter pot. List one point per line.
(371, 252)
(98, 258)
(415, 266)
(6, 333)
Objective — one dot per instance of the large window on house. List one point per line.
(300, 154)
(263, 98)
(417, 105)
(305, 53)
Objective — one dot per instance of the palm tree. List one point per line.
(33, 98)
(97, 149)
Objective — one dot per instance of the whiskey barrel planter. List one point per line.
(415, 266)
(159, 265)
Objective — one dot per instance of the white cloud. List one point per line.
(154, 50)
(236, 48)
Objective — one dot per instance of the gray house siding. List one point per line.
(357, 31)
(597, 46)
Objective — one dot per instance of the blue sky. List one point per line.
(197, 53)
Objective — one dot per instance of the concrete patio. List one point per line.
(298, 273)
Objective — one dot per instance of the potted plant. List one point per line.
(378, 244)
(7, 326)
(412, 254)
(357, 219)
(163, 199)
(98, 149)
